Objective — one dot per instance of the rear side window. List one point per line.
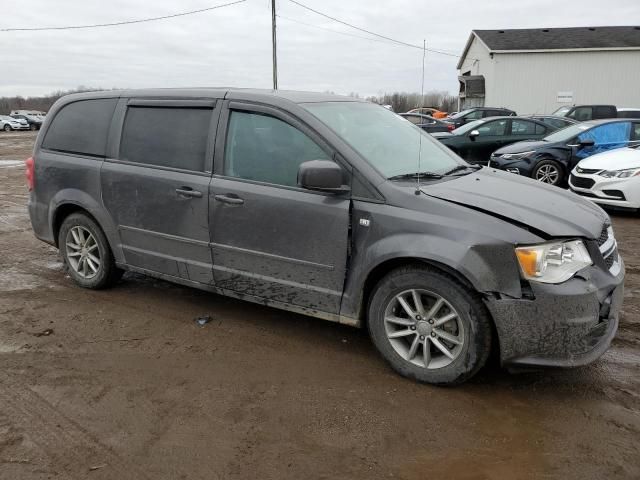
(81, 127)
(523, 127)
(166, 137)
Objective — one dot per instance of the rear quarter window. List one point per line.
(81, 127)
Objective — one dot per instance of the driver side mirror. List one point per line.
(587, 142)
(473, 134)
(322, 176)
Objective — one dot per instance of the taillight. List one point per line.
(30, 172)
(451, 127)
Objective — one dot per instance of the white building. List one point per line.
(538, 70)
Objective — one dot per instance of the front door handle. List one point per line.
(230, 199)
(188, 192)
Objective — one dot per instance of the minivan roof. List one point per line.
(225, 93)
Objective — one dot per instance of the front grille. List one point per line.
(611, 259)
(604, 235)
(609, 249)
(587, 170)
(581, 182)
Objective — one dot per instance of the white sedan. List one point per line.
(609, 178)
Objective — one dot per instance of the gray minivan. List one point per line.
(331, 207)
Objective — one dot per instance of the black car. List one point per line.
(476, 141)
(477, 113)
(551, 159)
(427, 123)
(556, 122)
(332, 207)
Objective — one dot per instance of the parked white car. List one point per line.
(8, 123)
(609, 178)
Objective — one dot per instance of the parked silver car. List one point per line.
(8, 123)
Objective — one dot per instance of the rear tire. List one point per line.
(439, 333)
(86, 253)
(549, 172)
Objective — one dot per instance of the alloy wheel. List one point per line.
(82, 252)
(424, 328)
(547, 174)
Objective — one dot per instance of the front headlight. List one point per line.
(629, 172)
(517, 156)
(553, 262)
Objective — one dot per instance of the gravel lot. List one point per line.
(124, 384)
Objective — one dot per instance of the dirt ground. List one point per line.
(124, 384)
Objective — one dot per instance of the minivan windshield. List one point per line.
(386, 140)
(567, 133)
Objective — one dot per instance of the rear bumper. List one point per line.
(566, 325)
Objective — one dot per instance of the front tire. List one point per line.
(548, 171)
(428, 326)
(7, 128)
(33, 127)
(86, 253)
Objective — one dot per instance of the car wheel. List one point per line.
(86, 253)
(7, 128)
(428, 326)
(32, 127)
(548, 171)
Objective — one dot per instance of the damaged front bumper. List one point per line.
(564, 325)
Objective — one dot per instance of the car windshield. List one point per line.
(567, 133)
(467, 127)
(561, 112)
(386, 140)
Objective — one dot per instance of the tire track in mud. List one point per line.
(65, 442)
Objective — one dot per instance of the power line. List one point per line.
(335, 31)
(127, 22)
(400, 42)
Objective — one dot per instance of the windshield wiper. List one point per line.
(462, 167)
(416, 175)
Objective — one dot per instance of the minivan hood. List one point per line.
(619, 159)
(524, 146)
(547, 209)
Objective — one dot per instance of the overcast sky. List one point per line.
(232, 46)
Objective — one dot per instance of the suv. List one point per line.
(582, 113)
(332, 207)
(477, 113)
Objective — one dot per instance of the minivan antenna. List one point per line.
(424, 53)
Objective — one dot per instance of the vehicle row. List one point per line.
(22, 120)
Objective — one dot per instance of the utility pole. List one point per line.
(273, 41)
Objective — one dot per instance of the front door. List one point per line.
(270, 238)
(493, 134)
(156, 190)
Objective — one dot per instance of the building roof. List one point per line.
(549, 39)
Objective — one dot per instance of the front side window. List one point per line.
(495, 128)
(582, 114)
(166, 137)
(605, 137)
(266, 149)
(386, 141)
